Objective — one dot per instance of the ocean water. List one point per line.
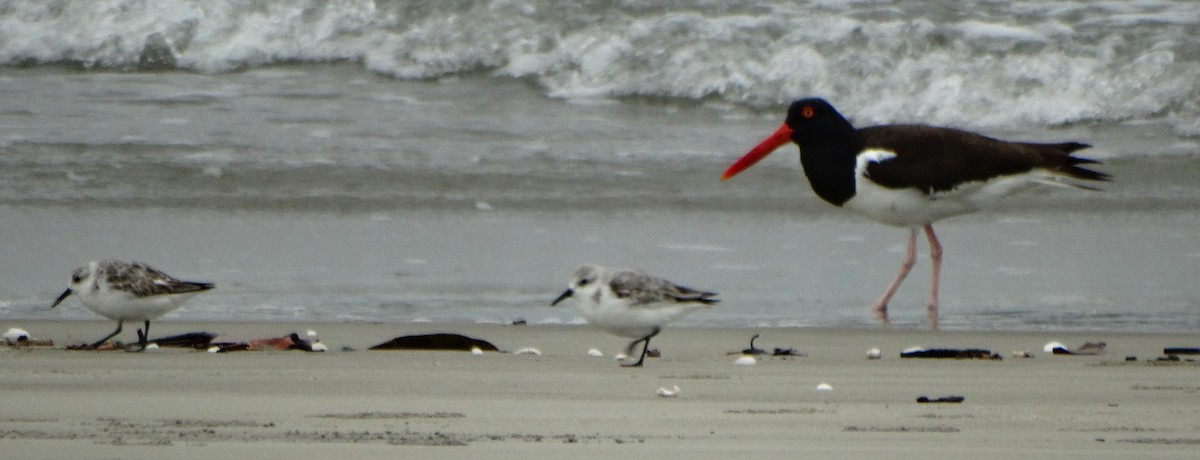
(455, 160)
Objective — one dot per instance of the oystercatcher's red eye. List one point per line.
(807, 112)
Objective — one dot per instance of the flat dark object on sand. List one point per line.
(950, 353)
(188, 340)
(944, 399)
(1087, 349)
(454, 342)
(1181, 351)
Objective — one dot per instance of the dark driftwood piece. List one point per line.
(1181, 351)
(1088, 349)
(951, 353)
(455, 342)
(187, 340)
(944, 399)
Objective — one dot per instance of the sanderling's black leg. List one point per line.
(645, 347)
(120, 323)
(144, 335)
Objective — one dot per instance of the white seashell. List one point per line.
(528, 351)
(214, 349)
(1049, 348)
(746, 361)
(15, 335)
(319, 347)
(824, 387)
(595, 353)
(476, 351)
(669, 392)
(874, 353)
(311, 333)
(1021, 354)
(621, 357)
(151, 347)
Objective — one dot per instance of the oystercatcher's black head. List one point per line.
(810, 123)
(815, 120)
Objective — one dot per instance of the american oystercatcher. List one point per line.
(913, 175)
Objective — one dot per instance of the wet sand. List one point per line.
(175, 403)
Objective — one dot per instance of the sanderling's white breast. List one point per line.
(121, 291)
(631, 303)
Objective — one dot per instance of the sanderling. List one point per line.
(631, 303)
(128, 290)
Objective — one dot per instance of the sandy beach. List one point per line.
(378, 169)
(175, 403)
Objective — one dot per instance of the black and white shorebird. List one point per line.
(913, 175)
(631, 303)
(122, 291)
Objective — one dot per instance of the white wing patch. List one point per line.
(871, 156)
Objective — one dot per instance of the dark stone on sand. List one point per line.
(1181, 351)
(951, 353)
(944, 399)
(429, 342)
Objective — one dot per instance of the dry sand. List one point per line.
(175, 403)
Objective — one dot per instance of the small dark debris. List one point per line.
(951, 353)
(753, 350)
(1087, 349)
(1181, 351)
(1168, 358)
(228, 347)
(299, 343)
(787, 352)
(944, 399)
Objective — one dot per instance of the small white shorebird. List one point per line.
(122, 291)
(631, 303)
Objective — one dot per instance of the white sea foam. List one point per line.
(1029, 63)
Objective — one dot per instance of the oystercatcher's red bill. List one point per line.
(781, 136)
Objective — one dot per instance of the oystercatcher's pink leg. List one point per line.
(910, 258)
(935, 255)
